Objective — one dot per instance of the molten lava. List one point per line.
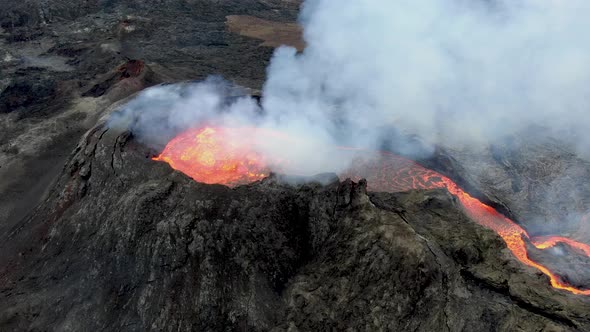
(393, 173)
(219, 155)
(226, 156)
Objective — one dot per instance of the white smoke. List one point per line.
(452, 72)
(161, 112)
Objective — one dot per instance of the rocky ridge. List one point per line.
(123, 242)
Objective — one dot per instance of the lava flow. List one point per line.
(393, 173)
(226, 156)
(219, 155)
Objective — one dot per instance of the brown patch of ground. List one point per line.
(274, 34)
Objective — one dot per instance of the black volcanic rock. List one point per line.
(115, 241)
(24, 93)
(63, 63)
(126, 243)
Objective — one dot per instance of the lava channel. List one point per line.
(226, 156)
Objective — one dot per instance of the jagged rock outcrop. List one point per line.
(126, 243)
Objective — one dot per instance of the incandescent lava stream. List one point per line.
(227, 156)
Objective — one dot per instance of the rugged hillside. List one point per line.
(95, 235)
(126, 243)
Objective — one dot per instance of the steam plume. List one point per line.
(452, 72)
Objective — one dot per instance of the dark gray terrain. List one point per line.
(123, 243)
(94, 235)
(63, 62)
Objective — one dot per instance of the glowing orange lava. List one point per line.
(226, 156)
(393, 173)
(219, 155)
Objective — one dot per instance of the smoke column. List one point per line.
(452, 72)
(449, 71)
